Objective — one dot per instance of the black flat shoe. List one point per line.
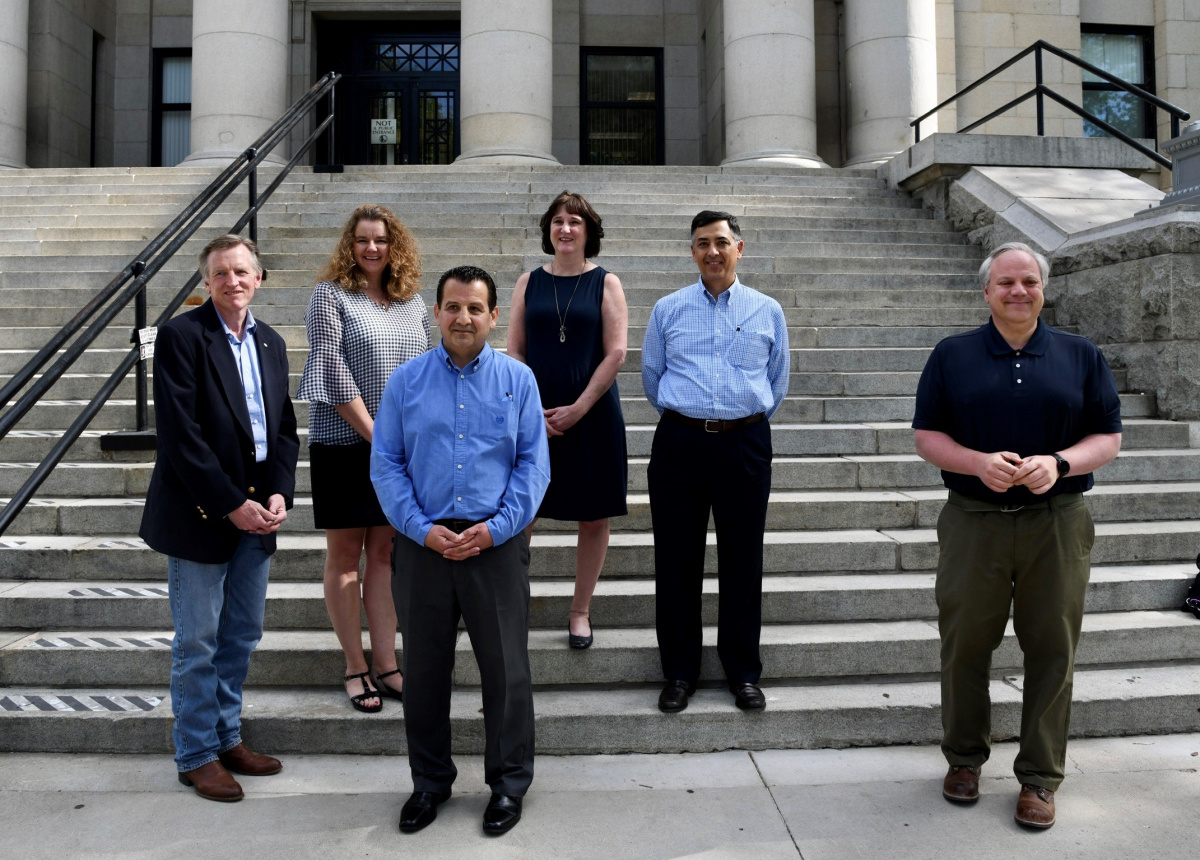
(420, 810)
(748, 697)
(502, 814)
(368, 692)
(674, 696)
(579, 642)
(385, 690)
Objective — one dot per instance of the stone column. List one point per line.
(506, 74)
(891, 73)
(14, 81)
(239, 76)
(770, 83)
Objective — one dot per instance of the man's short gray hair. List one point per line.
(985, 269)
(224, 243)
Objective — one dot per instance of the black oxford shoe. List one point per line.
(420, 810)
(748, 697)
(674, 696)
(502, 814)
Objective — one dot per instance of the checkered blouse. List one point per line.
(354, 345)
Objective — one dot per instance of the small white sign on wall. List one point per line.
(383, 131)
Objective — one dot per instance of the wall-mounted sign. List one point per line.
(383, 131)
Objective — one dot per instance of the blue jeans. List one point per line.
(217, 610)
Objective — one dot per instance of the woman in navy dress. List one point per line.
(569, 323)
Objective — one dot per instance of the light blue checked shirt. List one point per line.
(722, 358)
(245, 354)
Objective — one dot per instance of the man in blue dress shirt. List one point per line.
(460, 463)
(715, 365)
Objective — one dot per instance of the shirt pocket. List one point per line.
(496, 420)
(750, 350)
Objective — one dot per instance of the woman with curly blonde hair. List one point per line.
(364, 319)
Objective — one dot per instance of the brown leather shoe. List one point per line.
(213, 782)
(961, 784)
(241, 759)
(1035, 806)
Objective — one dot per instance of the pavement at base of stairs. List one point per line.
(1132, 797)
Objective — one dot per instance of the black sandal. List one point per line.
(368, 692)
(385, 690)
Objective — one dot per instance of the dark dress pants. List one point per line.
(491, 594)
(691, 473)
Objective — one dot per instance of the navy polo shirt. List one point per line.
(1037, 400)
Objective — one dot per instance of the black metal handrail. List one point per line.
(1040, 91)
(141, 269)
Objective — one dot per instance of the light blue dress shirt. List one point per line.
(724, 358)
(460, 443)
(245, 355)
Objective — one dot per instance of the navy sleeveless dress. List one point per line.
(588, 463)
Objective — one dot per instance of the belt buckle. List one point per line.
(708, 421)
(1010, 509)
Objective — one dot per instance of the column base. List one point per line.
(872, 160)
(776, 158)
(223, 157)
(506, 155)
(6, 164)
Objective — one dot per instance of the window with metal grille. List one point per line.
(622, 106)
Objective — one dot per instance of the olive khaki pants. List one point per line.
(1037, 560)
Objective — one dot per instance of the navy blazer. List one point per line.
(205, 468)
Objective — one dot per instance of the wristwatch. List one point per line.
(1063, 466)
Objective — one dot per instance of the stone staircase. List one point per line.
(869, 282)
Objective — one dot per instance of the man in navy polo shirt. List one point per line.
(1017, 415)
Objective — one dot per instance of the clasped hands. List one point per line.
(1004, 470)
(457, 547)
(252, 517)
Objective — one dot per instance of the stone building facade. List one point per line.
(807, 82)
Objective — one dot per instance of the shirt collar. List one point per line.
(479, 361)
(727, 296)
(247, 329)
(997, 345)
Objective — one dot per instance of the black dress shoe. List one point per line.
(502, 814)
(748, 697)
(674, 696)
(420, 810)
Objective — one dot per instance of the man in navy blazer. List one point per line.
(222, 483)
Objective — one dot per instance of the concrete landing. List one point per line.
(1124, 798)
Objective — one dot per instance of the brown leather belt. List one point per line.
(714, 425)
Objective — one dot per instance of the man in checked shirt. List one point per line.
(715, 365)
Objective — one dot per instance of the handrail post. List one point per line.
(1037, 78)
(1174, 125)
(917, 132)
(252, 183)
(142, 378)
(332, 113)
(141, 386)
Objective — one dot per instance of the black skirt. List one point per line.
(342, 495)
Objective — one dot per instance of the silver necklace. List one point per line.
(562, 315)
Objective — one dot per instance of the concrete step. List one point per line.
(789, 510)
(617, 603)
(90, 474)
(133, 719)
(86, 658)
(300, 556)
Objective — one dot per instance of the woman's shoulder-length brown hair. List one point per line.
(576, 204)
(403, 275)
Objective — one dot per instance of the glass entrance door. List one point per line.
(412, 125)
(398, 99)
